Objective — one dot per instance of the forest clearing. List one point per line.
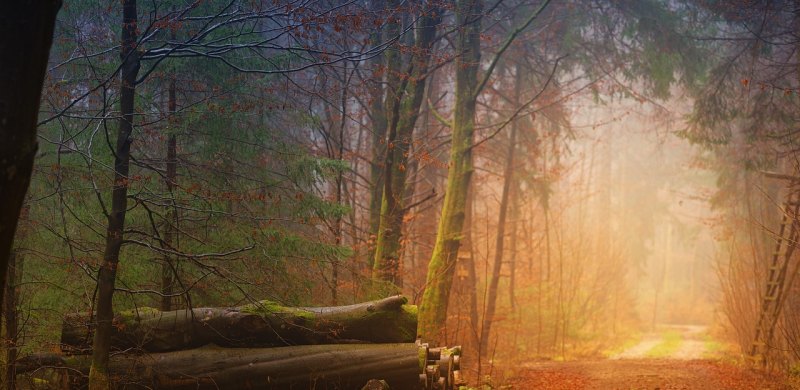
(399, 194)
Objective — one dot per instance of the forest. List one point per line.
(400, 194)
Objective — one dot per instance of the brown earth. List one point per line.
(650, 374)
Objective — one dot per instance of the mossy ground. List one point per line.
(671, 342)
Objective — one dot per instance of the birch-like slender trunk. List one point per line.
(106, 277)
(170, 266)
(508, 182)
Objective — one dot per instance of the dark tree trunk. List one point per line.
(405, 106)
(170, 266)
(379, 123)
(98, 376)
(10, 324)
(26, 32)
(388, 320)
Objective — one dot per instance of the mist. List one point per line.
(386, 194)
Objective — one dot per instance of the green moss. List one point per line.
(411, 310)
(140, 312)
(263, 307)
(133, 316)
(454, 351)
(400, 325)
(625, 345)
(672, 341)
(267, 307)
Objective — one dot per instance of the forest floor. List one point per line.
(676, 357)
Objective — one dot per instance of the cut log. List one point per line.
(400, 366)
(263, 324)
(297, 367)
(375, 384)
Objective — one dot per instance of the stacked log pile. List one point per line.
(442, 368)
(263, 346)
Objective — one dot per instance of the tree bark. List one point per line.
(297, 367)
(508, 180)
(169, 272)
(512, 262)
(263, 324)
(98, 375)
(10, 323)
(405, 110)
(433, 310)
(379, 125)
(26, 33)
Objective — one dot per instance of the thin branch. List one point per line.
(505, 46)
(523, 106)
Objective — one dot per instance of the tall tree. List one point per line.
(433, 309)
(26, 33)
(508, 191)
(377, 112)
(169, 271)
(107, 274)
(405, 108)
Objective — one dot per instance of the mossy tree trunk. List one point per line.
(433, 310)
(106, 278)
(405, 110)
(261, 324)
(379, 125)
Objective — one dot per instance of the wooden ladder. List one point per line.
(771, 303)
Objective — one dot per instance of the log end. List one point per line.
(375, 384)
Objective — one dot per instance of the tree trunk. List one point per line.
(10, 323)
(433, 310)
(26, 32)
(468, 285)
(263, 324)
(405, 110)
(379, 125)
(508, 180)
(297, 367)
(169, 272)
(400, 366)
(512, 262)
(338, 227)
(98, 375)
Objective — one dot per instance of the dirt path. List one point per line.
(687, 343)
(680, 365)
(649, 374)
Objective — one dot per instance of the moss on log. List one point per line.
(262, 324)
